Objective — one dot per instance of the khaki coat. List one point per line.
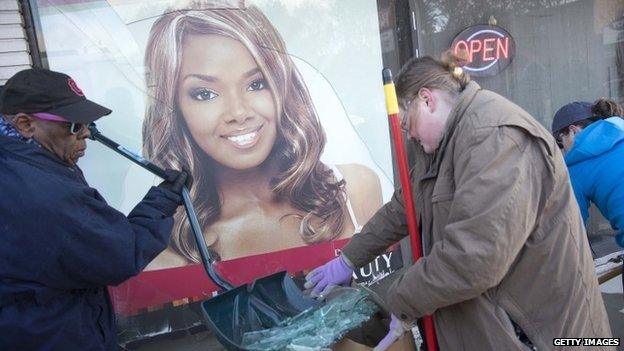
(503, 237)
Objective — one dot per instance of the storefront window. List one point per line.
(395, 27)
(565, 50)
(253, 92)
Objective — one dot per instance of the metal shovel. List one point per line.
(262, 304)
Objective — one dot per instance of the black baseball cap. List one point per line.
(571, 113)
(41, 90)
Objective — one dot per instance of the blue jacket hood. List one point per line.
(596, 139)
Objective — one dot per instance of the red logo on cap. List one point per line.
(74, 87)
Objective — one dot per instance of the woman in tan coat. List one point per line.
(507, 264)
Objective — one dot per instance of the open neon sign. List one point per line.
(489, 49)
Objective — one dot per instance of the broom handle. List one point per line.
(392, 107)
(207, 261)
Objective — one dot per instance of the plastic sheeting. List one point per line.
(316, 329)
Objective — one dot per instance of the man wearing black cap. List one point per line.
(61, 244)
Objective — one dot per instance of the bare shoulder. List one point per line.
(359, 175)
(363, 189)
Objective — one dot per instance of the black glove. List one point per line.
(176, 180)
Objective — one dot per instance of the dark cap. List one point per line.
(571, 113)
(41, 90)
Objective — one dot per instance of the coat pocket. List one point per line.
(521, 335)
(441, 201)
(443, 190)
(509, 313)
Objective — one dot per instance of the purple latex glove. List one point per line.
(334, 272)
(397, 329)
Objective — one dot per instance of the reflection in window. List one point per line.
(566, 50)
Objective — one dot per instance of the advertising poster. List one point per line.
(274, 106)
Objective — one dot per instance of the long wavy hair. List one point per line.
(306, 183)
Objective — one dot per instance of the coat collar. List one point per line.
(463, 101)
(34, 153)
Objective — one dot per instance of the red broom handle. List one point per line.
(392, 107)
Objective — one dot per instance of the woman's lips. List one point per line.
(244, 141)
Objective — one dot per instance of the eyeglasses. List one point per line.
(404, 116)
(75, 128)
(559, 137)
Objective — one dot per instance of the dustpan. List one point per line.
(315, 328)
(264, 304)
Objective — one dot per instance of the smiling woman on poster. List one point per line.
(227, 103)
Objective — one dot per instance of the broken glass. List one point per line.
(316, 328)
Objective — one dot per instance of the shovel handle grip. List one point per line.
(206, 259)
(140, 160)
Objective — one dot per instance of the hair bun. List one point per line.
(605, 108)
(457, 72)
(454, 62)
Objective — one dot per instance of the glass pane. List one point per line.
(565, 50)
(315, 62)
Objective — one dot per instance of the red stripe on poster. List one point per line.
(156, 288)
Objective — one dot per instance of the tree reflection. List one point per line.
(462, 13)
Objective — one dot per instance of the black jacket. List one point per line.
(61, 245)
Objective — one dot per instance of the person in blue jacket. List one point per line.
(60, 243)
(592, 137)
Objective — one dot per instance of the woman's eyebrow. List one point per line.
(200, 76)
(208, 78)
(251, 72)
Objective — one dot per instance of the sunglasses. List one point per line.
(559, 143)
(559, 138)
(75, 128)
